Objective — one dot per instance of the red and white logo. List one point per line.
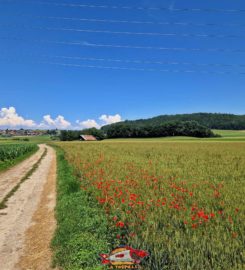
(124, 255)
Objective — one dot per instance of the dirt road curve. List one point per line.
(28, 223)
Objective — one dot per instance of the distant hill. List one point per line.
(210, 120)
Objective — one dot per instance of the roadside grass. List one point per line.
(82, 229)
(3, 203)
(7, 164)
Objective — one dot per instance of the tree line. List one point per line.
(73, 135)
(173, 128)
(122, 130)
(194, 125)
(210, 120)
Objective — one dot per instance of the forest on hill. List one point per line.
(193, 125)
(210, 120)
(166, 129)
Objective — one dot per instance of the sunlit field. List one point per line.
(182, 202)
(226, 136)
(230, 133)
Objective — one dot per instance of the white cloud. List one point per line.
(106, 120)
(59, 122)
(90, 123)
(10, 118)
(110, 119)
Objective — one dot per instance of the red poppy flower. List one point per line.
(120, 224)
(101, 200)
(194, 226)
(200, 214)
(205, 217)
(133, 197)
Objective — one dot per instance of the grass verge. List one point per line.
(3, 203)
(82, 229)
(10, 163)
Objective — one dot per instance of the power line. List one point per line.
(135, 21)
(142, 69)
(136, 61)
(147, 61)
(159, 48)
(171, 9)
(127, 68)
(99, 45)
(129, 32)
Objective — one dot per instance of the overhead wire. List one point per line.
(186, 35)
(143, 69)
(172, 9)
(155, 62)
(132, 61)
(98, 45)
(130, 68)
(180, 23)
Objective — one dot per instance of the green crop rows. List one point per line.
(11, 153)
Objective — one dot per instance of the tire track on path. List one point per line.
(28, 223)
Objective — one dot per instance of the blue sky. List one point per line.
(47, 69)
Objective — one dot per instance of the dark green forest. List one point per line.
(173, 128)
(194, 125)
(122, 130)
(73, 135)
(210, 120)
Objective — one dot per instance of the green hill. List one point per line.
(210, 120)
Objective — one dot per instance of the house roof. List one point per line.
(88, 137)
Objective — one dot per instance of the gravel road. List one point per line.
(29, 215)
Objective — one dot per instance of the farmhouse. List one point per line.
(87, 138)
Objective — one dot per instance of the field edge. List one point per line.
(82, 229)
(9, 164)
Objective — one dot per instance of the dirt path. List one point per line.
(12, 176)
(28, 223)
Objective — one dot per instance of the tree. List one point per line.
(97, 133)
